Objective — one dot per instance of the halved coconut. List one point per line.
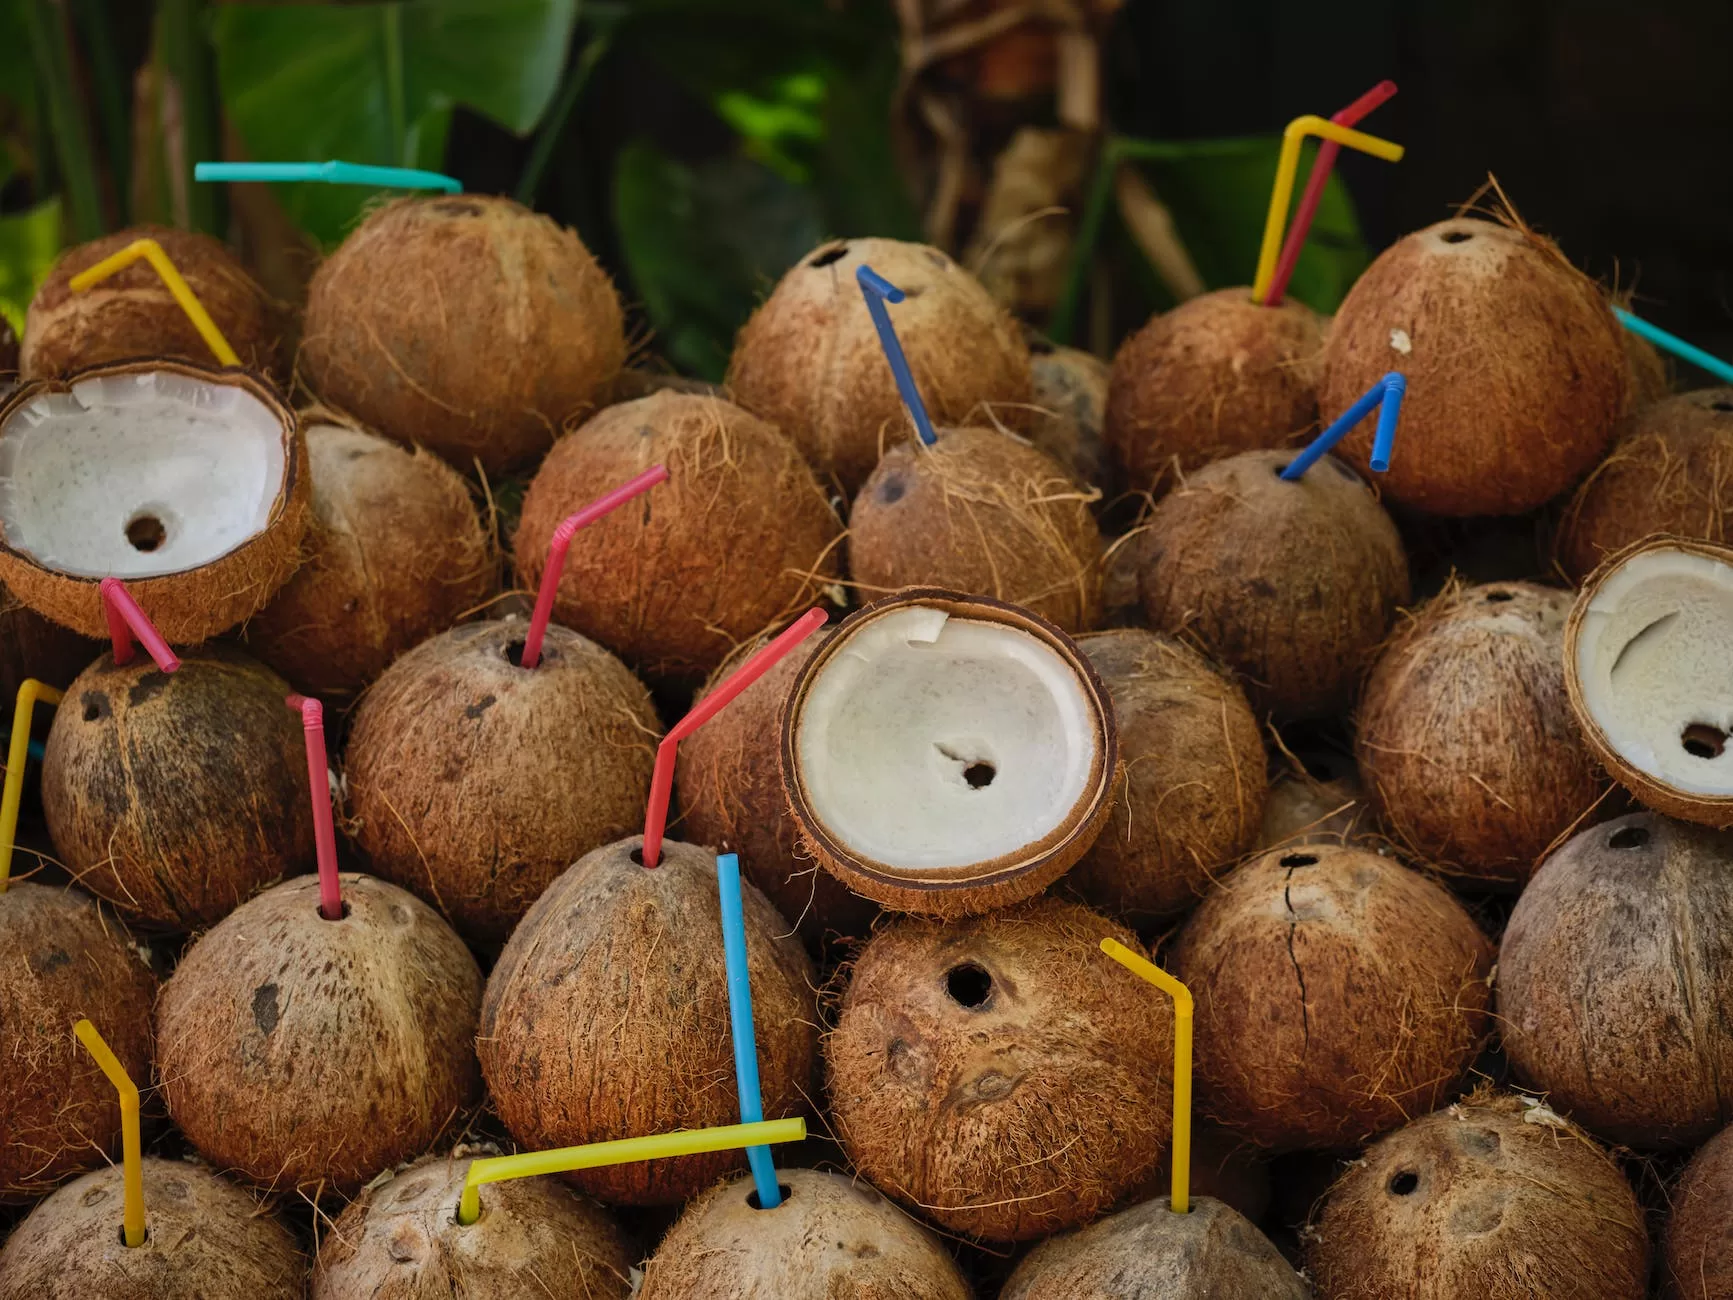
(948, 754)
(1647, 667)
(190, 485)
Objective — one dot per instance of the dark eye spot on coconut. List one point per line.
(456, 208)
(1041, 347)
(147, 688)
(892, 489)
(1628, 837)
(266, 1013)
(1499, 597)
(95, 1196)
(993, 1086)
(145, 532)
(95, 705)
(486, 702)
(828, 256)
(1293, 860)
(938, 259)
(1262, 588)
(1481, 1142)
(755, 1203)
(1404, 1183)
(1703, 740)
(53, 960)
(1457, 236)
(354, 454)
(1722, 405)
(969, 985)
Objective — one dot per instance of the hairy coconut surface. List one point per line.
(1697, 1251)
(1000, 1074)
(607, 1017)
(1504, 344)
(62, 960)
(177, 796)
(465, 323)
(1071, 397)
(1465, 739)
(1615, 981)
(311, 1055)
(1302, 809)
(400, 1240)
(979, 512)
(810, 361)
(1494, 1198)
(831, 1237)
(1338, 993)
(1292, 585)
(740, 537)
(474, 781)
(1650, 379)
(1192, 795)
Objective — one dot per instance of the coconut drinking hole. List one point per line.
(1404, 1182)
(145, 532)
(969, 985)
(1628, 837)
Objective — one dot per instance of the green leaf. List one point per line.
(29, 242)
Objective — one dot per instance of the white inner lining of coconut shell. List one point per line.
(1654, 659)
(932, 741)
(189, 466)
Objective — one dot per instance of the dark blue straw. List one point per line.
(740, 1024)
(1386, 394)
(878, 291)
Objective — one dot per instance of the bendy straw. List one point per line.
(878, 291)
(319, 787)
(1386, 395)
(740, 1024)
(29, 691)
(126, 620)
(1676, 345)
(132, 1155)
(1180, 1196)
(151, 251)
(332, 173)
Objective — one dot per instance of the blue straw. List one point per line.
(878, 291)
(740, 1024)
(1386, 394)
(333, 173)
(1676, 345)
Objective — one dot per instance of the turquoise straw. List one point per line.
(1676, 345)
(333, 173)
(740, 1024)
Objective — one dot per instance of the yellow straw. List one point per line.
(1180, 1200)
(687, 1142)
(132, 1162)
(28, 693)
(152, 252)
(1286, 165)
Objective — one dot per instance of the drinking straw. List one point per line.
(1386, 395)
(562, 542)
(151, 251)
(1676, 345)
(1179, 1200)
(740, 1024)
(662, 778)
(29, 692)
(625, 1151)
(1321, 168)
(319, 784)
(132, 1160)
(878, 291)
(1286, 165)
(332, 173)
(126, 620)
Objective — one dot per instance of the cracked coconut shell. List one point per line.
(1697, 1251)
(1000, 1074)
(1337, 993)
(464, 323)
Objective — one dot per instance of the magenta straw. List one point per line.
(126, 620)
(313, 723)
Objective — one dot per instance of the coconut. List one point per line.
(740, 536)
(1615, 981)
(176, 796)
(607, 1017)
(1649, 378)
(400, 1240)
(1515, 364)
(1495, 1198)
(311, 1054)
(1071, 396)
(1697, 1252)
(61, 960)
(830, 1237)
(1465, 739)
(1193, 792)
(395, 553)
(1337, 992)
(1292, 585)
(1318, 802)
(999, 1073)
(191, 485)
(475, 782)
(948, 754)
(810, 361)
(984, 513)
(33, 646)
(465, 323)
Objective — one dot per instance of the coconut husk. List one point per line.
(1650, 379)
(1697, 1251)
(1304, 809)
(33, 646)
(1071, 392)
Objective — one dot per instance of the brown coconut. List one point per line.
(1192, 797)
(62, 960)
(1515, 365)
(1615, 981)
(607, 1017)
(984, 513)
(1465, 739)
(1650, 378)
(310, 1055)
(1697, 1251)
(1071, 401)
(400, 1240)
(831, 1237)
(1001, 1074)
(1291, 585)
(1337, 993)
(1494, 1198)
(464, 323)
(810, 361)
(177, 796)
(1326, 807)
(740, 536)
(1217, 375)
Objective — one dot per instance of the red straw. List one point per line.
(662, 780)
(562, 542)
(126, 620)
(1326, 159)
(313, 722)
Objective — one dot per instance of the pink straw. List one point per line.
(313, 722)
(1315, 183)
(562, 542)
(126, 620)
(662, 779)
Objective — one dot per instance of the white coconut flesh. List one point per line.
(1654, 661)
(138, 475)
(933, 741)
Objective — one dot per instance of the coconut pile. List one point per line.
(1418, 780)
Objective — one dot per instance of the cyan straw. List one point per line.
(1387, 395)
(1676, 345)
(740, 1024)
(332, 173)
(878, 291)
